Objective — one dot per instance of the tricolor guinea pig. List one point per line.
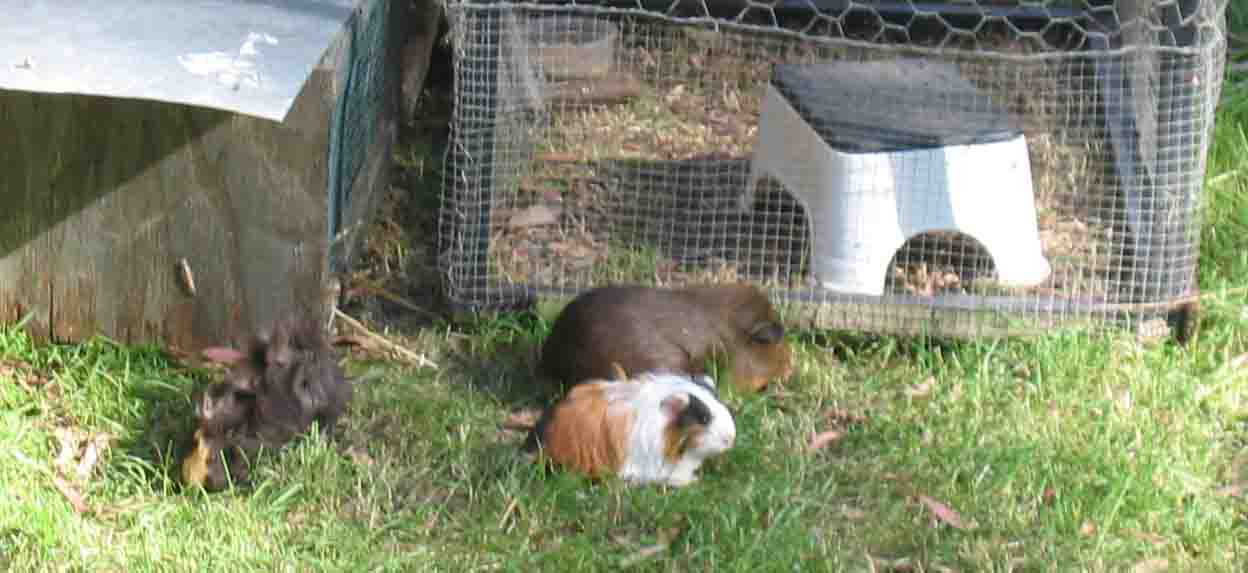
(287, 379)
(650, 329)
(655, 428)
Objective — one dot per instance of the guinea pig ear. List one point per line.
(767, 332)
(675, 404)
(222, 355)
(620, 374)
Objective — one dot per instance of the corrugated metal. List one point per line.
(250, 58)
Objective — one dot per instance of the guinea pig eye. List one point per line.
(697, 412)
(767, 333)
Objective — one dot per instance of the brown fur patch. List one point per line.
(754, 367)
(638, 329)
(677, 437)
(583, 436)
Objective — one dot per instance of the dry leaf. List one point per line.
(360, 457)
(71, 495)
(899, 565)
(853, 514)
(20, 372)
(91, 455)
(1233, 490)
(523, 419)
(1087, 529)
(824, 438)
(922, 389)
(1151, 566)
(643, 554)
(943, 512)
(67, 439)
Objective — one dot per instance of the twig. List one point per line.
(418, 359)
(511, 507)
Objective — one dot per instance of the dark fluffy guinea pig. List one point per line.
(645, 329)
(287, 379)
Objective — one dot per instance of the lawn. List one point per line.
(1071, 452)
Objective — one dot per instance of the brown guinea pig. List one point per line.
(273, 392)
(646, 329)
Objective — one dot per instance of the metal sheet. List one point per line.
(246, 56)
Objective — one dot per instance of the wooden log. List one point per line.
(104, 198)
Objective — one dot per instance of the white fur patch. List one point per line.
(644, 395)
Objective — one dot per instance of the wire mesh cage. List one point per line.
(965, 167)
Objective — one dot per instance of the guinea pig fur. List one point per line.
(284, 382)
(655, 428)
(649, 329)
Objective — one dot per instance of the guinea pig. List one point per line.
(273, 392)
(655, 428)
(649, 329)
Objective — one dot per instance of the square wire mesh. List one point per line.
(597, 144)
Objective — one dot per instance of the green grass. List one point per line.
(1072, 452)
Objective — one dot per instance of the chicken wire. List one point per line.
(610, 143)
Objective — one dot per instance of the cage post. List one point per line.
(1141, 93)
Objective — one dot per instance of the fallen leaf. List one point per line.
(22, 373)
(360, 457)
(643, 554)
(67, 441)
(91, 455)
(824, 438)
(535, 216)
(943, 512)
(221, 355)
(922, 389)
(71, 495)
(853, 514)
(1233, 490)
(1151, 566)
(899, 565)
(523, 419)
(1087, 529)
